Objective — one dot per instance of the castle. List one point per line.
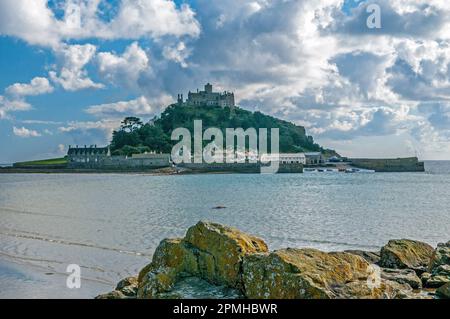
(208, 97)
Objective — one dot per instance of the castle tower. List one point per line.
(208, 88)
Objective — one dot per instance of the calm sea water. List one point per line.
(111, 224)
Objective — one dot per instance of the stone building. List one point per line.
(87, 156)
(208, 97)
(285, 158)
(314, 158)
(94, 157)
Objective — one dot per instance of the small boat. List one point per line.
(359, 170)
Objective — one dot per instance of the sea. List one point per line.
(110, 224)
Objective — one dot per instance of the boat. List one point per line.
(359, 170)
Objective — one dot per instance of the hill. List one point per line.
(135, 137)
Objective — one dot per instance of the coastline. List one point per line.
(25, 281)
(13, 170)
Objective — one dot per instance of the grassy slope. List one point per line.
(46, 162)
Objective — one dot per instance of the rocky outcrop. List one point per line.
(404, 253)
(439, 266)
(127, 288)
(440, 256)
(444, 291)
(216, 261)
(372, 257)
(310, 274)
(209, 251)
(402, 276)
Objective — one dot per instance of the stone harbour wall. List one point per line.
(410, 164)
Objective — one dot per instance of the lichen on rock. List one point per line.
(309, 274)
(209, 251)
(405, 253)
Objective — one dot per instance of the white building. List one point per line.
(284, 158)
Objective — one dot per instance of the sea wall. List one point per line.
(217, 261)
(410, 164)
(250, 168)
(121, 163)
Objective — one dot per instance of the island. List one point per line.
(146, 147)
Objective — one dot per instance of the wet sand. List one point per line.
(21, 281)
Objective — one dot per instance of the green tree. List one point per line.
(130, 124)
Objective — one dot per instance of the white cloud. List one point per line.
(88, 125)
(141, 106)
(37, 86)
(7, 106)
(41, 122)
(83, 132)
(153, 18)
(178, 53)
(72, 75)
(34, 22)
(25, 133)
(31, 21)
(125, 69)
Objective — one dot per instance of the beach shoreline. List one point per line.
(22, 280)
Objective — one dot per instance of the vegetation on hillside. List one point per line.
(45, 162)
(136, 137)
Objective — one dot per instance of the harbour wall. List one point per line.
(250, 168)
(409, 164)
(121, 163)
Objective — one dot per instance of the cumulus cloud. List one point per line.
(154, 18)
(37, 86)
(73, 58)
(178, 53)
(37, 23)
(401, 18)
(31, 21)
(124, 70)
(98, 132)
(8, 106)
(25, 133)
(14, 99)
(141, 106)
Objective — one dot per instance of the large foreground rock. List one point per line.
(209, 251)
(404, 253)
(216, 261)
(311, 274)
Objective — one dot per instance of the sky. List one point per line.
(70, 70)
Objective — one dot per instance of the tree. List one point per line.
(131, 123)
